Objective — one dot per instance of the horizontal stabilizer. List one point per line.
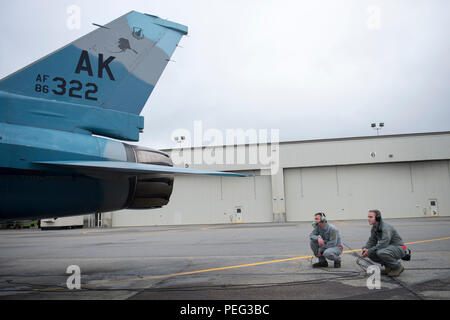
(133, 168)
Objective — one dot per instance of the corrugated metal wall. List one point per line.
(347, 192)
(208, 200)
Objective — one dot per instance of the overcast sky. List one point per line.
(312, 69)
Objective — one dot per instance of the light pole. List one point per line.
(378, 128)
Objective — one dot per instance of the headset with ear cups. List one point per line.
(323, 218)
(377, 215)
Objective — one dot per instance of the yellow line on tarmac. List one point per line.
(431, 240)
(406, 243)
(182, 273)
(216, 269)
(199, 271)
(235, 267)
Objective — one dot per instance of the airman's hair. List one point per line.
(320, 213)
(377, 214)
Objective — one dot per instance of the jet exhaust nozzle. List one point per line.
(150, 191)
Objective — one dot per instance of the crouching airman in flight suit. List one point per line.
(385, 246)
(325, 242)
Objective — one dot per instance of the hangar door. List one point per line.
(246, 200)
(348, 192)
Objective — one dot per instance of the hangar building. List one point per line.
(405, 175)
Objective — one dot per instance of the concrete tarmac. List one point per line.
(217, 262)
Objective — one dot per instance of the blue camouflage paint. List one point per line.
(48, 196)
(31, 192)
(50, 164)
(73, 74)
(22, 110)
(126, 93)
(24, 145)
(132, 93)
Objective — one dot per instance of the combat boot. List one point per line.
(386, 270)
(396, 272)
(320, 264)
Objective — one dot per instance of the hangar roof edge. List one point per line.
(333, 139)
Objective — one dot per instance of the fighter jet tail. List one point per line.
(114, 67)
